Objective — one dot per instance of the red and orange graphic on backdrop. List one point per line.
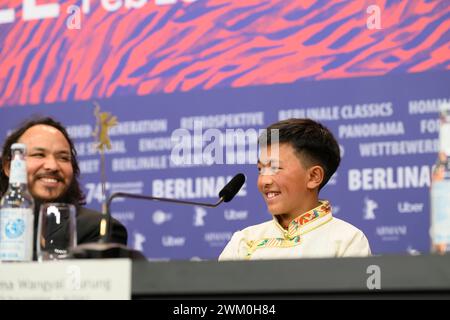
(214, 44)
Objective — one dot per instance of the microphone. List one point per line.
(232, 188)
(104, 249)
(226, 194)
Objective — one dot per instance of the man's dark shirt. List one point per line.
(88, 228)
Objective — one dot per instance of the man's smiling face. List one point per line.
(49, 165)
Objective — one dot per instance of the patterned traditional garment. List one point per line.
(314, 234)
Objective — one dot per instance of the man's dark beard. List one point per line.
(64, 198)
(61, 199)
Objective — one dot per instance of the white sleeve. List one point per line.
(357, 246)
(232, 249)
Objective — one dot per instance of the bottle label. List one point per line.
(16, 234)
(440, 209)
(18, 171)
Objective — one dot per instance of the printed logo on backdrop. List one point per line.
(159, 217)
(391, 233)
(195, 258)
(125, 217)
(173, 241)
(138, 241)
(333, 180)
(410, 207)
(370, 206)
(34, 11)
(94, 190)
(390, 178)
(231, 214)
(411, 251)
(199, 217)
(217, 239)
(158, 259)
(192, 188)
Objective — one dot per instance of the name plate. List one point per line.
(69, 279)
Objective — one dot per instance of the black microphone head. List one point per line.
(232, 188)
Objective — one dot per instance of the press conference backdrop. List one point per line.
(374, 72)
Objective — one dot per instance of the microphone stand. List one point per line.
(142, 197)
(104, 249)
(105, 238)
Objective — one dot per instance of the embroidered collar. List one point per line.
(296, 228)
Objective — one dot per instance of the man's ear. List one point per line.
(315, 177)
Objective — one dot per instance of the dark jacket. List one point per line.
(88, 227)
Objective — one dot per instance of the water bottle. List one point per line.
(440, 188)
(17, 211)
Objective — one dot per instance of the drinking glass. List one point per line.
(57, 231)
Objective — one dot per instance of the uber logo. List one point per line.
(170, 241)
(231, 214)
(407, 207)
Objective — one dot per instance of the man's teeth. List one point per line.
(49, 180)
(272, 195)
